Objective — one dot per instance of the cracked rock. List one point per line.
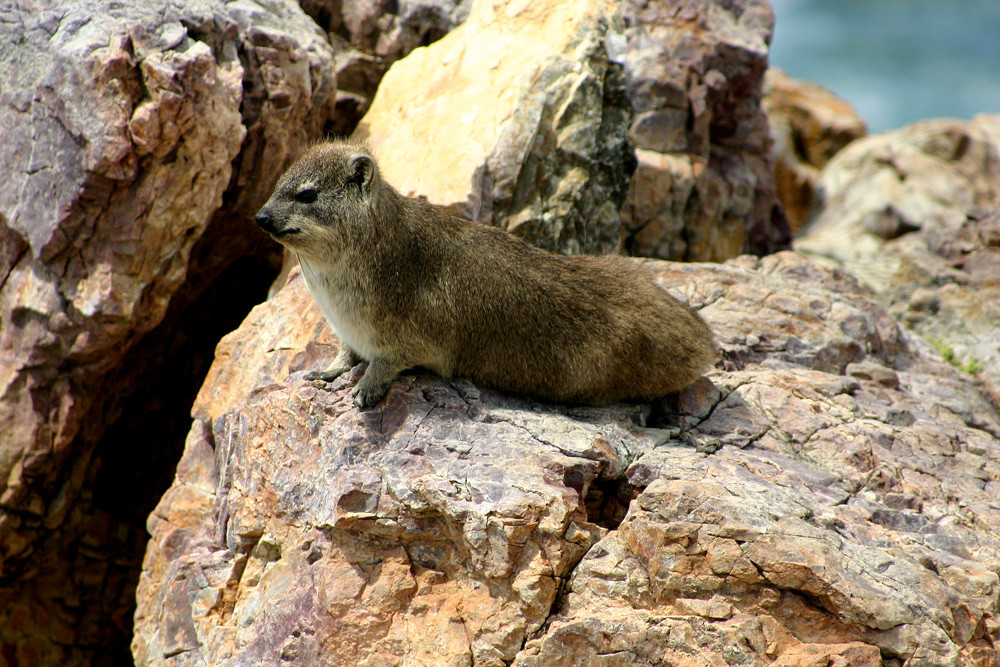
(704, 187)
(777, 511)
(135, 138)
(915, 215)
(592, 127)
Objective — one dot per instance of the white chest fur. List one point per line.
(342, 310)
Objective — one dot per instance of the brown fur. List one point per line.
(406, 284)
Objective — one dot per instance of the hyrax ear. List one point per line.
(362, 172)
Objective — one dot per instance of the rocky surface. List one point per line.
(529, 116)
(808, 125)
(704, 186)
(517, 117)
(826, 496)
(135, 140)
(915, 214)
(370, 35)
(388, 30)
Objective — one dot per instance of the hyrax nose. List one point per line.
(263, 219)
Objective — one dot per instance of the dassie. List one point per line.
(404, 283)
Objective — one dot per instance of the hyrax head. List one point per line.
(321, 199)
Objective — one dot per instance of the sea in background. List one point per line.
(896, 61)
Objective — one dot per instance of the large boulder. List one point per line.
(808, 125)
(827, 496)
(135, 139)
(535, 116)
(704, 186)
(516, 117)
(915, 214)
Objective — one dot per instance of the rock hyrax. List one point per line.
(404, 283)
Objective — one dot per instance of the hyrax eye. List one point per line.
(306, 196)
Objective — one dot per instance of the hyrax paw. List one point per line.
(366, 397)
(328, 375)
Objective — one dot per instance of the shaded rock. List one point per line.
(134, 139)
(370, 36)
(915, 214)
(387, 30)
(809, 125)
(807, 502)
(704, 186)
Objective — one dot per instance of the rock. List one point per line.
(809, 125)
(704, 186)
(915, 214)
(568, 86)
(516, 117)
(387, 30)
(135, 139)
(373, 34)
(807, 503)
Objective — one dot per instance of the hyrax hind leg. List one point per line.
(374, 384)
(345, 360)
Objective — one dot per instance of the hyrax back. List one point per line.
(405, 284)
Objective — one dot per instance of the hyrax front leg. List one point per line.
(345, 360)
(374, 384)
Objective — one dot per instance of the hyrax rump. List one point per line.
(404, 284)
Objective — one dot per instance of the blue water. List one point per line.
(896, 61)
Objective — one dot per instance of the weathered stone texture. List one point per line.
(126, 131)
(808, 503)
(387, 30)
(809, 125)
(915, 214)
(515, 118)
(370, 35)
(535, 116)
(704, 187)
(827, 496)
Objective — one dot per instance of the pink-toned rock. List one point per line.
(704, 187)
(915, 215)
(387, 30)
(809, 502)
(135, 138)
(370, 35)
